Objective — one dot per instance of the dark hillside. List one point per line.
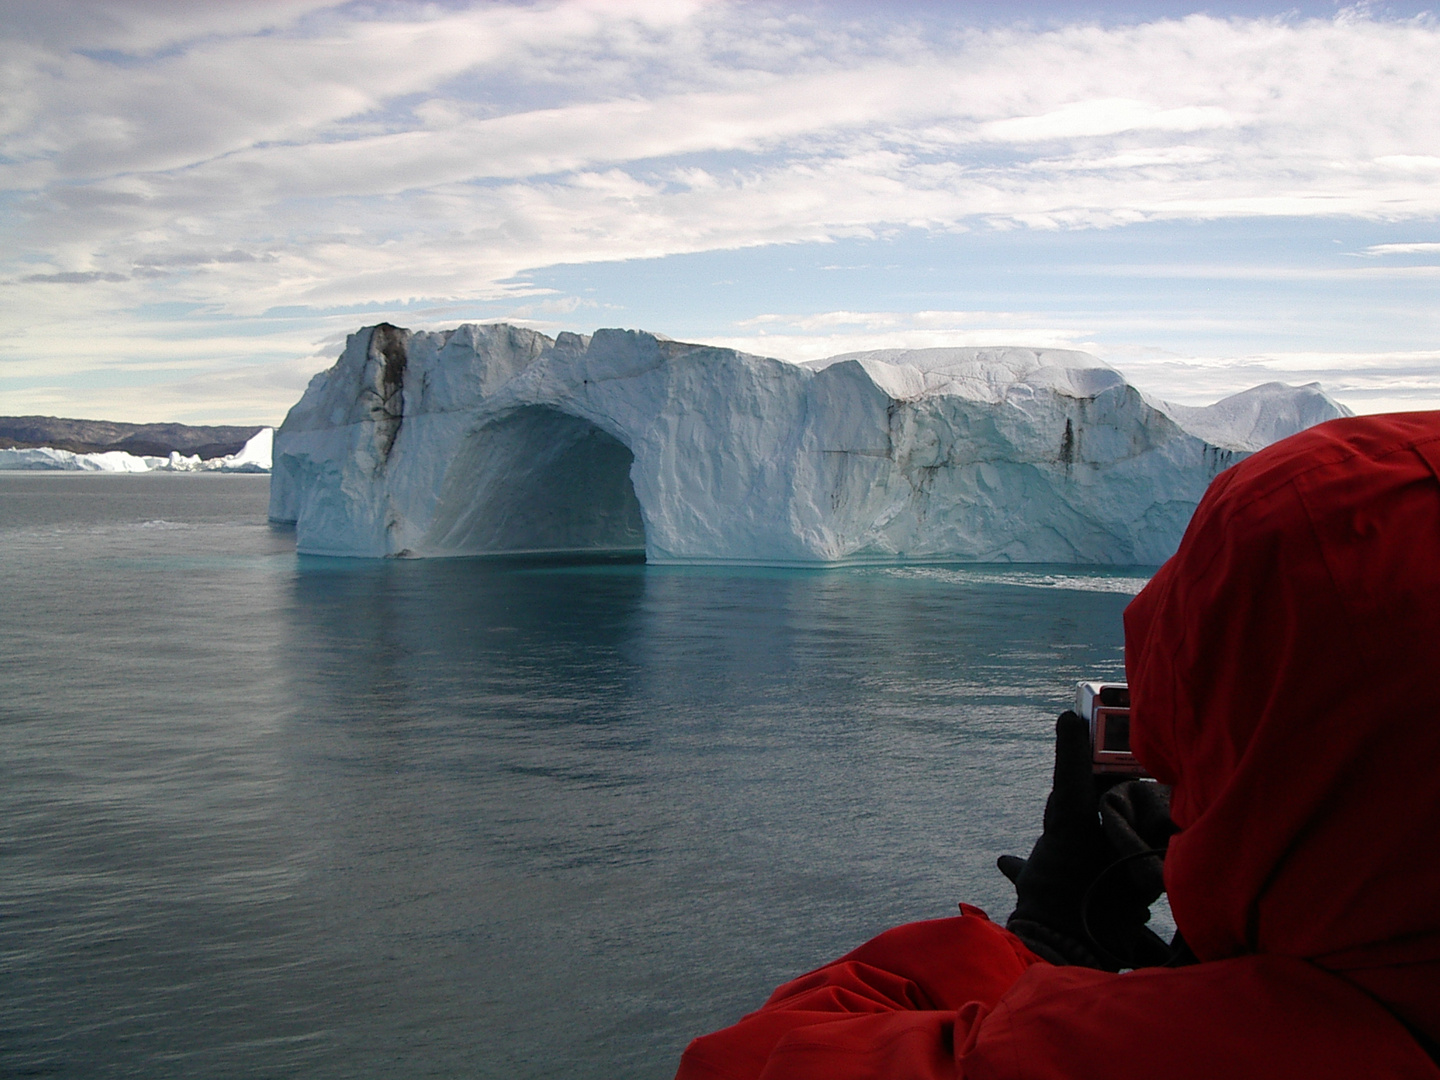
(95, 436)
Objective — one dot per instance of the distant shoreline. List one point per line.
(252, 456)
(140, 440)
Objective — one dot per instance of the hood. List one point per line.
(1283, 668)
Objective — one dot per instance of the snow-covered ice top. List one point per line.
(253, 457)
(981, 374)
(496, 439)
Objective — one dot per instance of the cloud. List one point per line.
(1105, 116)
(240, 158)
(222, 86)
(1426, 248)
(73, 277)
(141, 27)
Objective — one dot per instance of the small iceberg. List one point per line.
(253, 457)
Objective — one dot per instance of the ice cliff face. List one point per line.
(491, 439)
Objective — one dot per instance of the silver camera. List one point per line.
(1106, 708)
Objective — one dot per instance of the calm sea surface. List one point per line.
(264, 815)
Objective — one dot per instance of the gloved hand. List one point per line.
(1084, 834)
(1135, 817)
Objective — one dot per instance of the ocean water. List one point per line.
(264, 815)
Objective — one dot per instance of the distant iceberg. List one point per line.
(497, 439)
(253, 457)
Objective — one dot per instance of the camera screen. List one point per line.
(1117, 733)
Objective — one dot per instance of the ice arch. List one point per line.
(539, 480)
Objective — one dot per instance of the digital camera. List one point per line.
(1106, 708)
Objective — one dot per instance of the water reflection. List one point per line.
(267, 815)
(587, 784)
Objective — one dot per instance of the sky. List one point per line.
(199, 201)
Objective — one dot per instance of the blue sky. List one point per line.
(198, 202)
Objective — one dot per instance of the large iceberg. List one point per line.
(498, 439)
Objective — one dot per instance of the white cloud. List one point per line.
(1105, 116)
(245, 157)
(1426, 248)
(1410, 162)
(140, 27)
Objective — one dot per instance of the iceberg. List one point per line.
(496, 439)
(253, 457)
(48, 459)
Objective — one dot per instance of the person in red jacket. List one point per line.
(1283, 671)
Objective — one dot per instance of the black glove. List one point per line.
(1084, 835)
(1135, 817)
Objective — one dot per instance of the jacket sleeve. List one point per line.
(1251, 1017)
(888, 1007)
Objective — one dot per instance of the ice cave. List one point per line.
(539, 481)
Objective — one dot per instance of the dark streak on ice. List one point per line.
(389, 342)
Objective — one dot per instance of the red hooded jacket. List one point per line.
(1283, 669)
